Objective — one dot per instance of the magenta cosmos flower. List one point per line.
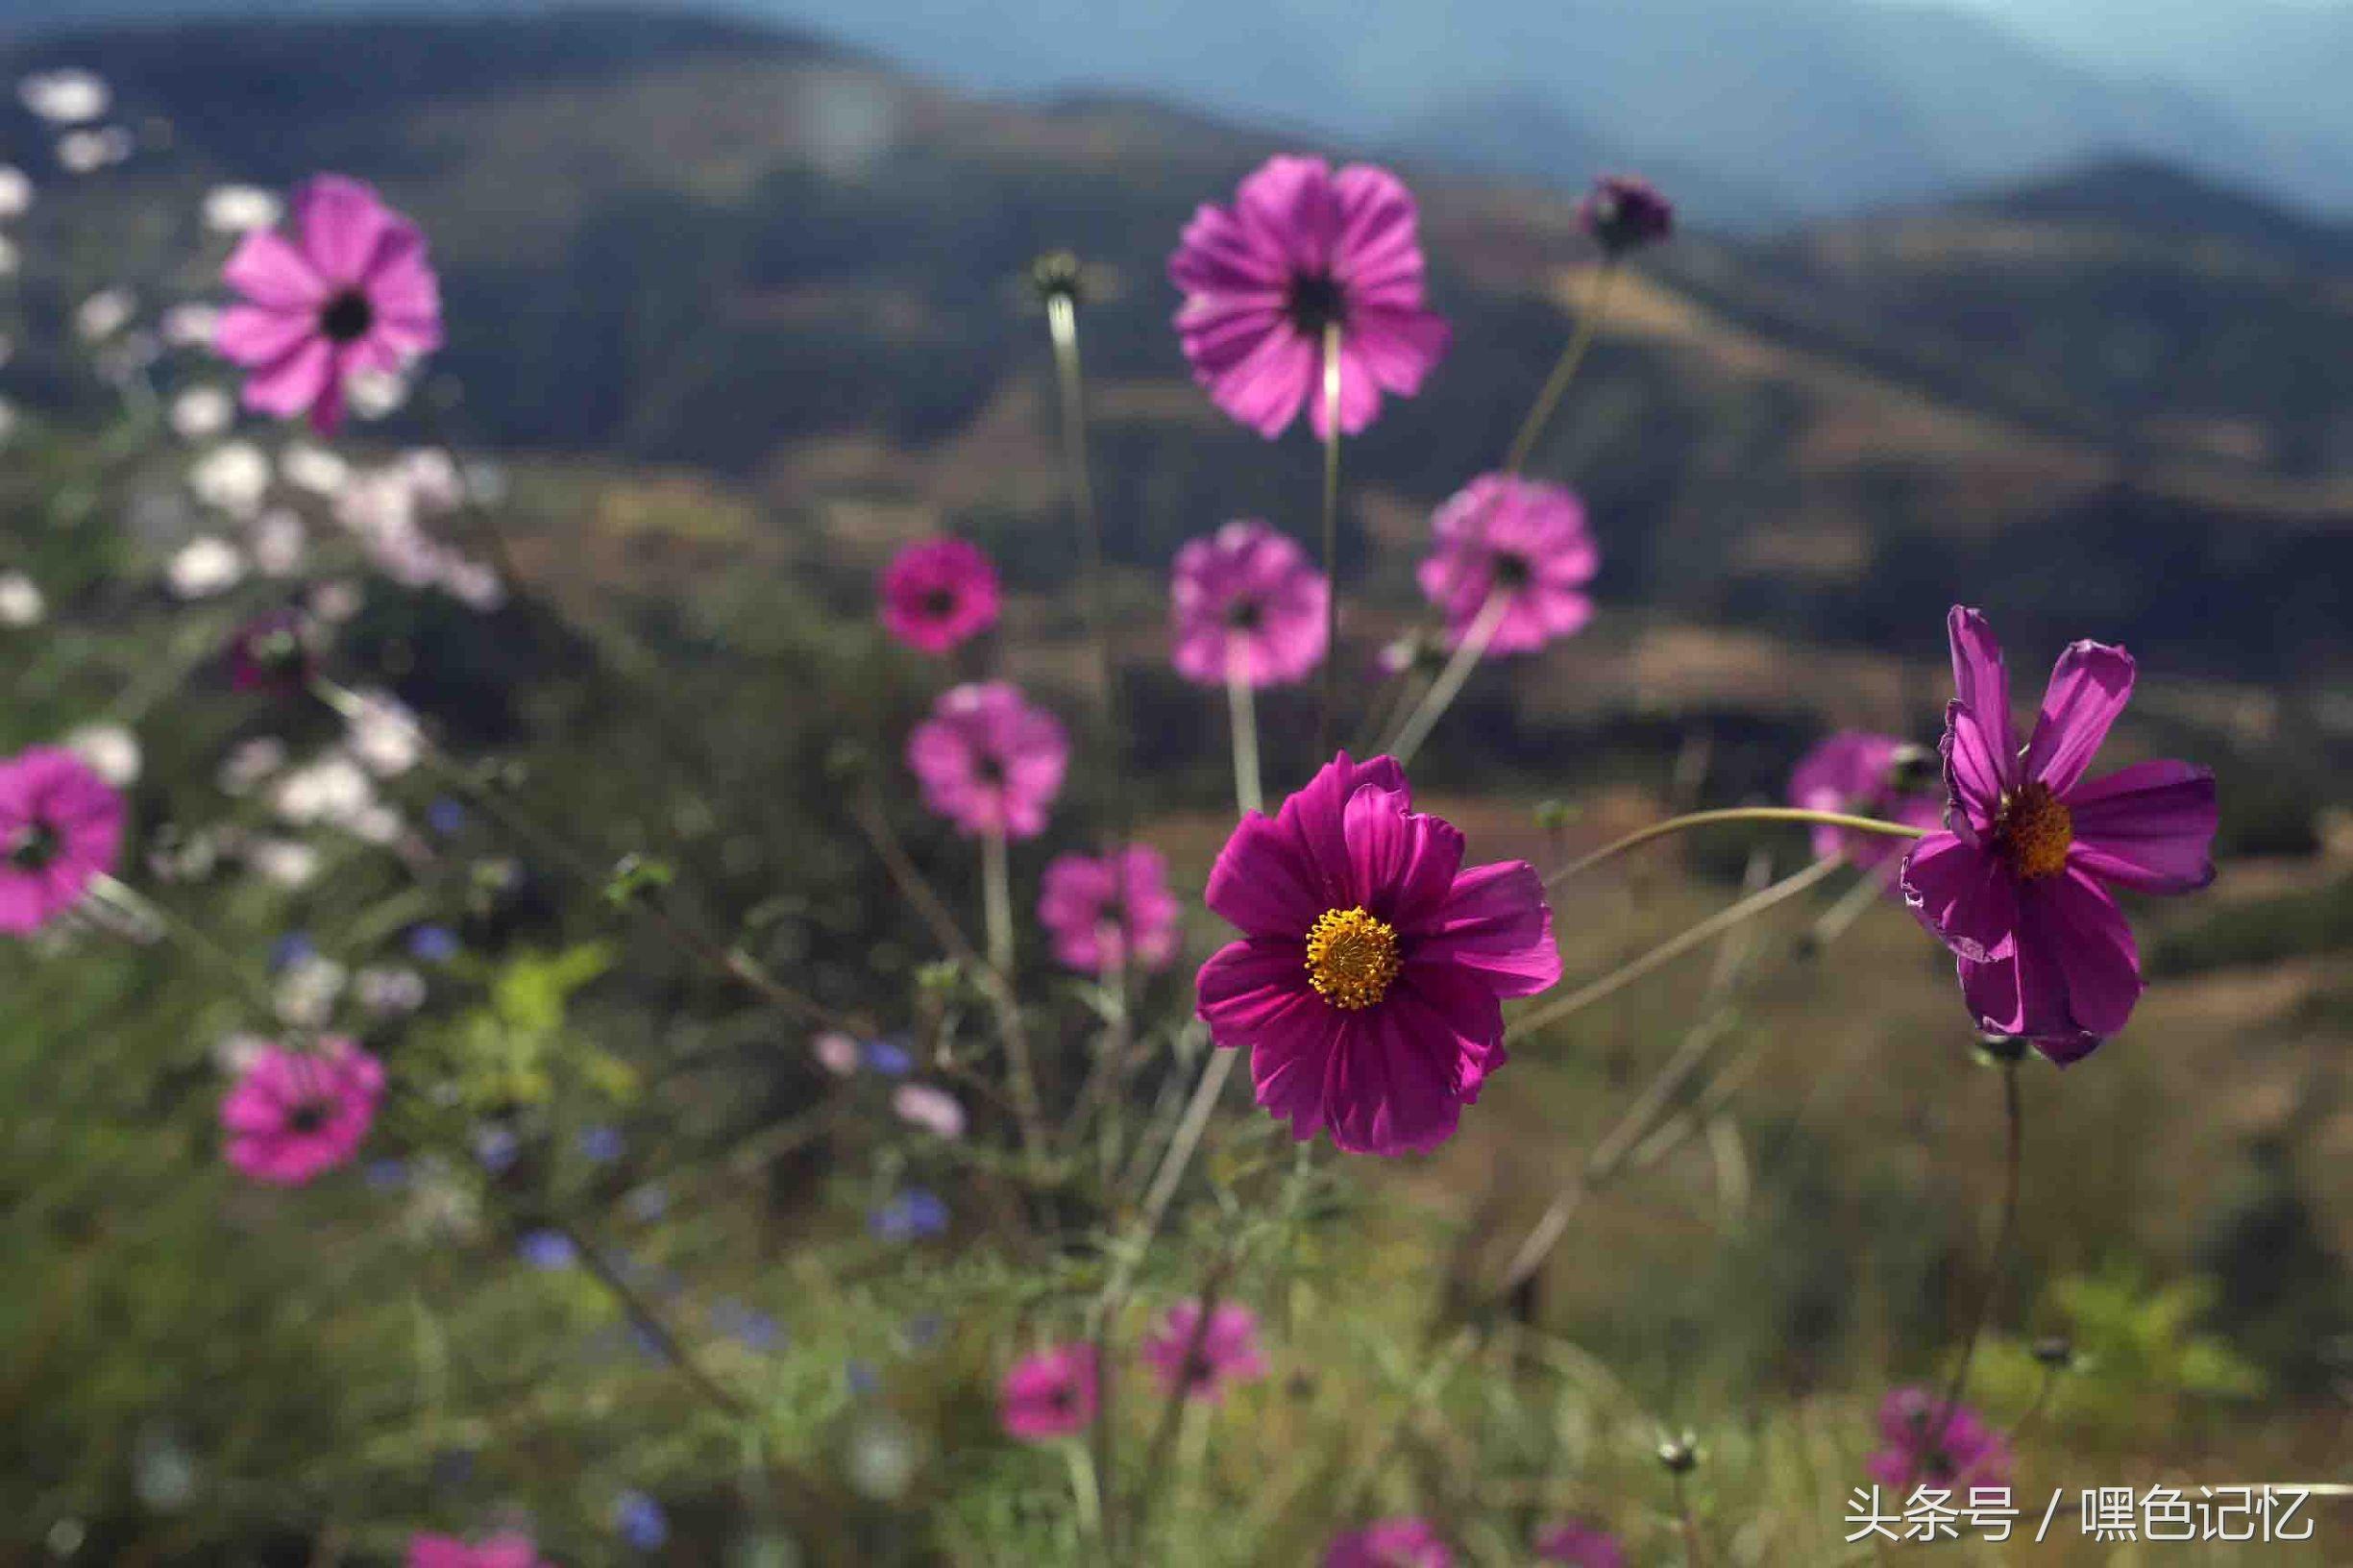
(505, 1551)
(1625, 213)
(295, 1114)
(1051, 1395)
(1229, 1351)
(1369, 978)
(1304, 248)
(2017, 883)
(1102, 909)
(938, 595)
(988, 761)
(1970, 1453)
(60, 828)
(1523, 539)
(271, 653)
(1246, 600)
(1581, 1545)
(1856, 772)
(352, 292)
(1390, 1543)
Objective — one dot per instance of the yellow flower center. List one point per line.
(2033, 832)
(1352, 956)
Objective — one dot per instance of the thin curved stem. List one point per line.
(1694, 1552)
(1443, 691)
(1241, 708)
(130, 901)
(1329, 727)
(733, 963)
(1729, 814)
(996, 903)
(2014, 1120)
(1674, 947)
(1564, 370)
(648, 1321)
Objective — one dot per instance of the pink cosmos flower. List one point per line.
(1524, 539)
(1098, 908)
(933, 1109)
(1855, 773)
(61, 829)
(988, 761)
(1972, 1453)
(2017, 883)
(1581, 1545)
(353, 294)
(272, 652)
(1229, 1350)
(1051, 1395)
(505, 1551)
(1369, 978)
(1246, 597)
(1303, 248)
(939, 594)
(293, 1115)
(1624, 213)
(1390, 1543)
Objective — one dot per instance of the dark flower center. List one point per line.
(940, 603)
(1512, 570)
(1063, 1399)
(308, 1116)
(1318, 301)
(2033, 832)
(34, 846)
(1199, 1373)
(989, 770)
(1245, 615)
(274, 648)
(348, 316)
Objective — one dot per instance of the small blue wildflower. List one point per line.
(601, 1144)
(924, 1331)
(754, 1327)
(888, 1057)
(432, 944)
(446, 817)
(861, 1376)
(548, 1250)
(292, 948)
(496, 1146)
(385, 1175)
(641, 1521)
(912, 1214)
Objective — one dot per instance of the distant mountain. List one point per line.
(1773, 109)
(675, 241)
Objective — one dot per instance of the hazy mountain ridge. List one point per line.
(776, 258)
(1780, 109)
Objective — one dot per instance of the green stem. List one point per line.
(1732, 814)
(1674, 947)
(996, 910)
(191, 936)
(1240, 706)
(1330, 727)
(1564, 370)
(1442, 691)
(2014, 1120)
(1085, 1494)
(733, 962)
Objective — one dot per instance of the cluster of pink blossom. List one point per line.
(1367, 982)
